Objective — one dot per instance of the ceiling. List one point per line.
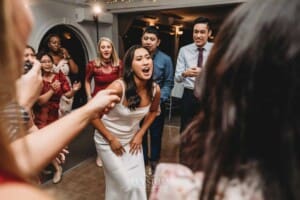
(183, 17)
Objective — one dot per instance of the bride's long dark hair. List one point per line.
(131, 94)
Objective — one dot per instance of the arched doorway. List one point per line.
(73, 43)
(77, 43)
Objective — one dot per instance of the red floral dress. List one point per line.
(6, 177)
(101, 78)
(48, 112)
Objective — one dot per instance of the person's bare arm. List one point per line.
(73, 66)
(75, 88)
(114, 143)
(136, 142)
(87, 85)
(34, 151)
(24, 191)
(44, 98)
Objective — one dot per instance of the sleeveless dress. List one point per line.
(7, 178)
(124, 175)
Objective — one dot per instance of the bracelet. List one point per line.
(68, 57)
(25, 114)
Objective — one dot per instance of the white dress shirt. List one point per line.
(188, 57)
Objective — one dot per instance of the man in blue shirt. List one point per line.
(189, 65)
(163, 76)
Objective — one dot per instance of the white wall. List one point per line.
(47, 14)
(77, 15)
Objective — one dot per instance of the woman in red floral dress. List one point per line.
(46, 109)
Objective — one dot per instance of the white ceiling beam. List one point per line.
(141, 5)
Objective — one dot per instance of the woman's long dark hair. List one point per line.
(131, 94)
(250, 92)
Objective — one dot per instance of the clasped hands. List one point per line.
(55, 86)
(192, 72)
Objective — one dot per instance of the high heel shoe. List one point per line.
(57, 175)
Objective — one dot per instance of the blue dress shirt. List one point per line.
(163, 74)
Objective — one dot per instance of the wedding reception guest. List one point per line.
(62, 62)
(163, 76)
(29, 58)
(190, 63)
(103, 70)
(46, 110)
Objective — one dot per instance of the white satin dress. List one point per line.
(124, 175)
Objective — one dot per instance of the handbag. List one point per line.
(65, 106)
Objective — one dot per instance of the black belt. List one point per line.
(188, 90)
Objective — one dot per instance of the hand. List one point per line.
(102, 102)
(55, 85)
(61, 158)
(29, 85)
(89, 97)
(65, 53)
(76, 86)
(136, 144)
(192, 71)
(116, 147)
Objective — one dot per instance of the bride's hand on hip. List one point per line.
(136, 144)
(116, 147)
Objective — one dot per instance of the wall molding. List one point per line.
(123, 7)
(37, 36)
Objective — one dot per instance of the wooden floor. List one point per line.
(85, 181)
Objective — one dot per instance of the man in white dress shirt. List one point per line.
(190, 63)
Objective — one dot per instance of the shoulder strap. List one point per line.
(154, 90)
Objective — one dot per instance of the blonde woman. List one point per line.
(27, 155)
(106, 68)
